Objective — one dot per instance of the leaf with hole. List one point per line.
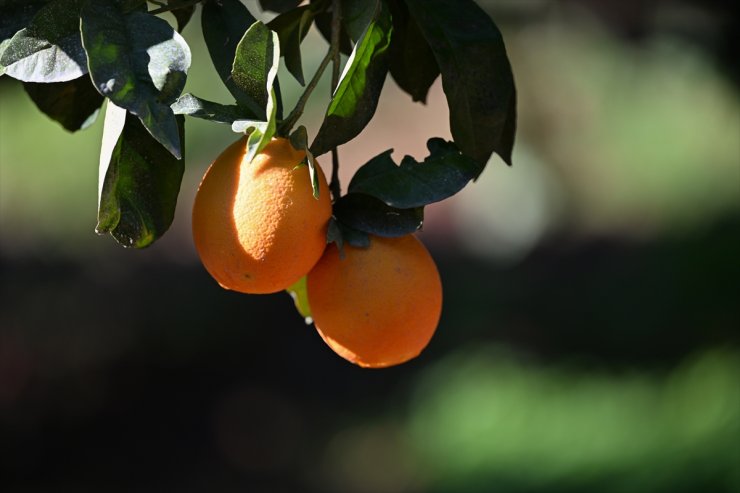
(476, 75)
(139, 181)
(139, 62)
(412, 184)
(356, 97)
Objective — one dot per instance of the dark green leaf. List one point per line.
(334, 235)
(299, 140)
(182, 14)
(224, 23)
(261, 136)
(255, 72)
(3, 44)
(370, 215)
(476, 75)
(279, 6)
(139, 183)
(256, 59)
(190, 105)
(342, 234)
(441, 175)
(356, 97)
(291, 28)
(17, 14)
(357, 15)
(140, 63)
(411, 61)
(322, 19)
(74, 104)
(49, 49)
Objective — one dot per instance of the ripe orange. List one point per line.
(257, 226)
(377, 306)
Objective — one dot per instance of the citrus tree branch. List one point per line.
(336, 23)
(294, 115)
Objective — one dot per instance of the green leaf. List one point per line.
(224, 23)
(322, 18)
(299, 140)
(291, 28)
(299, 293)
(17, 14)
(140, 63)
(370, 215)
(248, 126)
(357, 15)
(261, 136)
(3, 44)
(139, 181)
(191, 105)
(255, 61)
(255, 67)
(441, 175)
(182, 14)
(279, 6)
(357, 94)
(49, 49)
(476, 75)
(75, 103)
(411, 61)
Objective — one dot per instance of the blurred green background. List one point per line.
(590, 336)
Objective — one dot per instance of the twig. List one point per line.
(336, 24)
(294, 115)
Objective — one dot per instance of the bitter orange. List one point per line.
(257, 226)
(378, 306)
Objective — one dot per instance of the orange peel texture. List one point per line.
(256, 226)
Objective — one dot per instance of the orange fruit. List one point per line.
(378, 306)
(257, 226)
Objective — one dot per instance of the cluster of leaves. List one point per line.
(72, 55)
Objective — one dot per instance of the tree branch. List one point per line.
(294, 115)
(336, 24)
